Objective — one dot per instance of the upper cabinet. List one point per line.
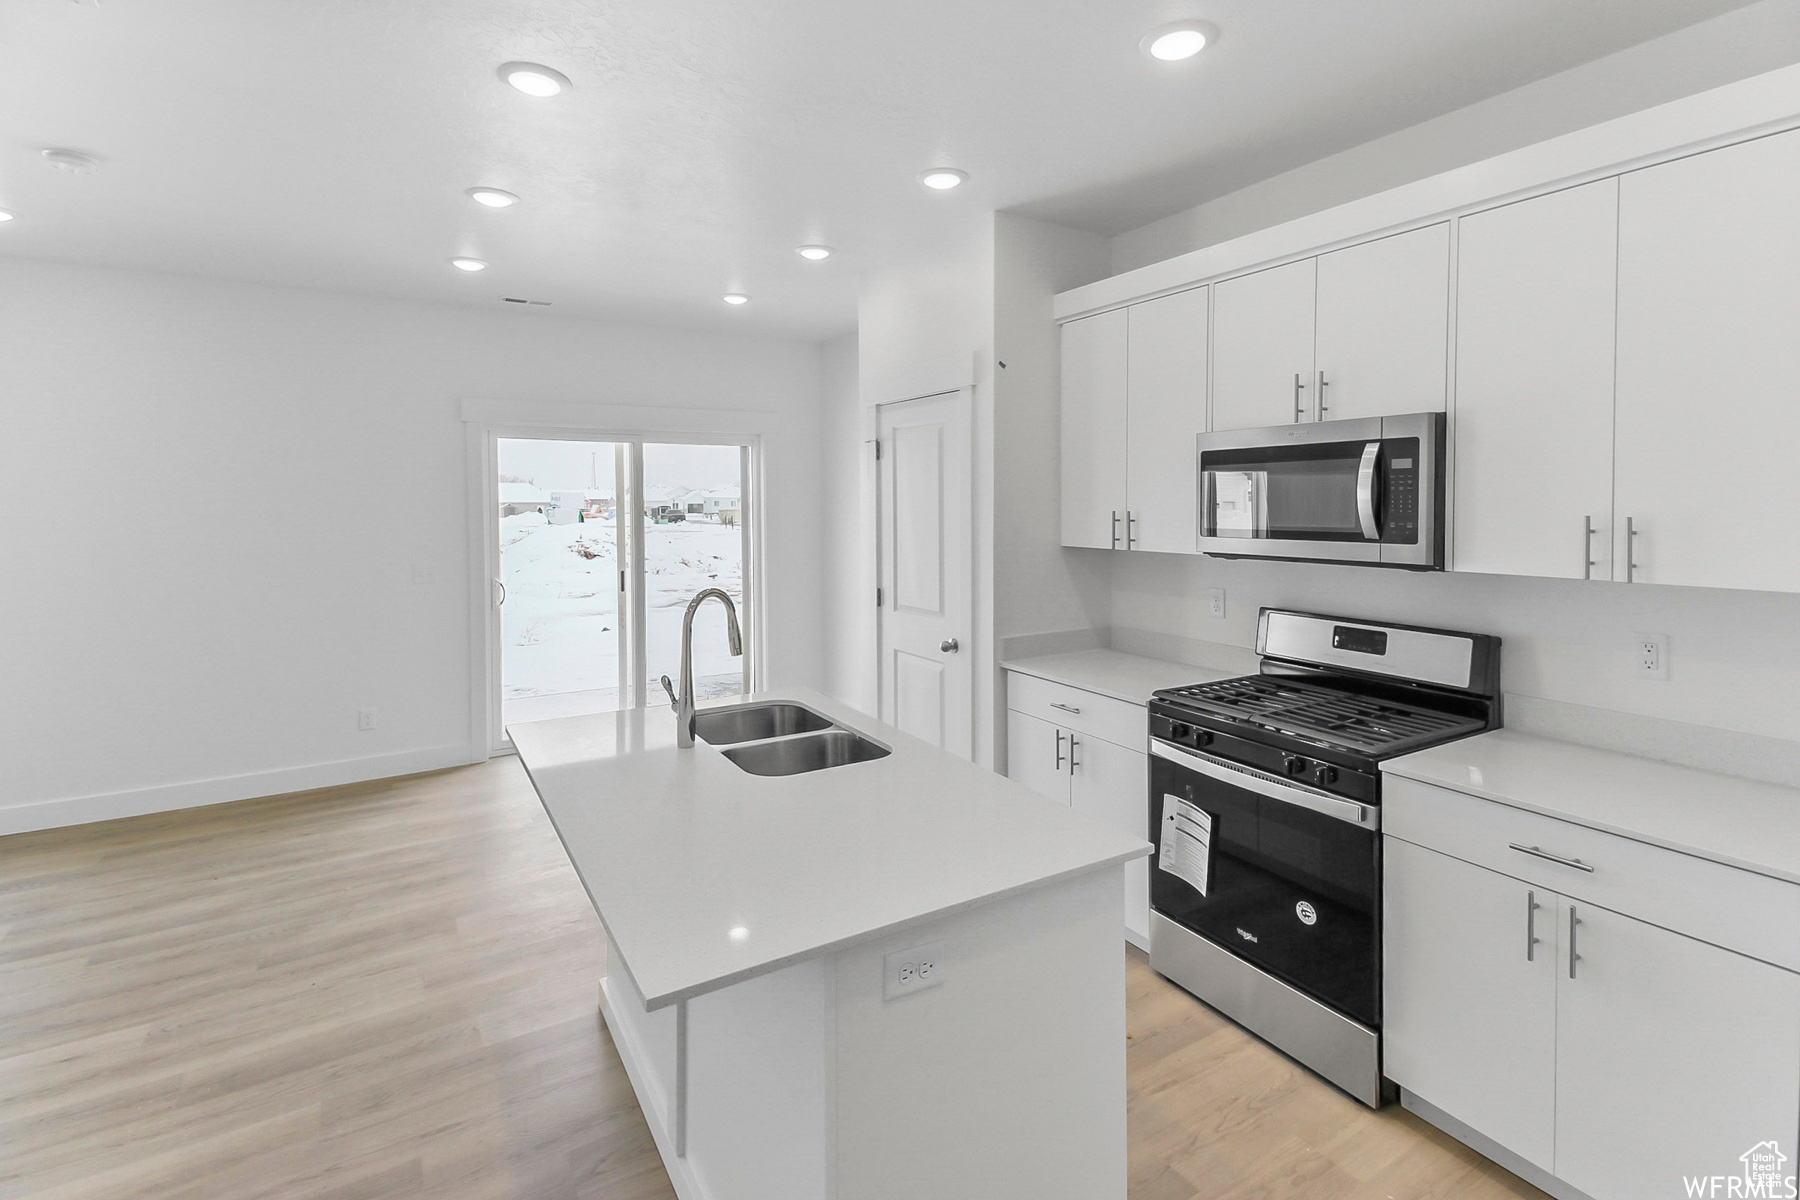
(1359, 332)
(1709, 368)
(1133, 401)
(1263, 348)
(1165, 405)
(1534, 385)
(1093, 431)
(1383, 340)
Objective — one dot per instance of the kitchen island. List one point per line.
(894, 977)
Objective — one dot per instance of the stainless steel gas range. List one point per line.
(1265, 800)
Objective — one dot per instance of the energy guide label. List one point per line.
(1186, 849)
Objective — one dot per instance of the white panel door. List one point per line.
(1166, 410)
(1093, 431)
(1112, 784)
(927, 570)
(1536, 301)
(1263, 347)
(1037, 755)
(1384, 326)
(1469, 998)
(1709, 368)
(1673, 1057)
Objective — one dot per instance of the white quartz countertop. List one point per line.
(1739, 822)
(705, 875)
(1128, 677)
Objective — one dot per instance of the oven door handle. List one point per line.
(1367, 816)
(1365, 492)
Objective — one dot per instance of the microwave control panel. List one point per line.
(1400, 522)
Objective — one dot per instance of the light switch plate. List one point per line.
(912, 970)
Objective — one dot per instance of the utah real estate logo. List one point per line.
(1764, 1178)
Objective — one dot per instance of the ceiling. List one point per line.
(327, 143)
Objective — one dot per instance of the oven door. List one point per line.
(1338, 491)
(1283, 876)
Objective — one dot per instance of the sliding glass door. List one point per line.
(602, 545)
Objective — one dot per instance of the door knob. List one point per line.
(950, 646)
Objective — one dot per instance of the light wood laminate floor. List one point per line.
(388, 991)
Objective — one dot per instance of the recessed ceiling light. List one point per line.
(1183, 39)
(72, 161)
(534, 79)
(4, 215)
(735, 298)
(492, 197)
(814, 253)
(470, 265)
(942, 179)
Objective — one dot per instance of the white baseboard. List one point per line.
(137, 802)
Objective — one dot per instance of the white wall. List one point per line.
(215, 494)
(1737, 45)
(846, 481)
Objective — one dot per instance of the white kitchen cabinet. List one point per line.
(1112, 784)
(1063, 761)
(1166, 411)
(1263, 347)
(1536, 302)
(1093, 431)
(1037, 755)
(1383, 326)
(1708, 409)
(1673, 1057)
(1470, 995)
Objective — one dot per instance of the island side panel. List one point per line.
(646, 1041)
(757, 1107)
(1007, 1081)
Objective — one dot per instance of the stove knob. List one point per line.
(1323, 775)
(1180, 732)
(1203, 737)
(1293, 764)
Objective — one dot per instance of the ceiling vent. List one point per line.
(518, 300)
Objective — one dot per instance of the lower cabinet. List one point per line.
(1616, 1055)
(1092, 775)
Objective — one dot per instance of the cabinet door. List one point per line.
(1263, 348)
(1535, 304)
(1093, 431)
(1166, 411)
(1469, 999)
(1384, 326)
(1112, 784)
(1673, 1057)
(1037, 755)
(1709, 367)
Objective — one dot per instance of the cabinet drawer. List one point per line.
(1115, 721)
(1740, 910)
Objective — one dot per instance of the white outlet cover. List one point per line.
(914, 969)
(1215, 599)
(1642, 655)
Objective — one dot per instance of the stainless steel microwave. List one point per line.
(1368, 491)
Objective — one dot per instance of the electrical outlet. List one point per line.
(365, 719)
(1650, 651)
(424, 573)
(907, 971)
(1215, 602)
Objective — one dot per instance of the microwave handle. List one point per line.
(1365, 492)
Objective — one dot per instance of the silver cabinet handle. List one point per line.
(1630, 550)
(1059, 738)
(1587, 547)
(1365, 492)
(1322, 387)
(1298, 404)
(1531, 937)
(1115, 533)
(1573, 957)
(949, 645)
(1549, 857)
(1068, 708)
(1072, 763)
(1130, 523)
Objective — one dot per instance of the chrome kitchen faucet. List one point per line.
(684, 703)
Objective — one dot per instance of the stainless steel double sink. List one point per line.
(782, 738)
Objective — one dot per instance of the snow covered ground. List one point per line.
(560, 622)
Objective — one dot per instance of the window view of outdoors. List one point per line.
(563, 629)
